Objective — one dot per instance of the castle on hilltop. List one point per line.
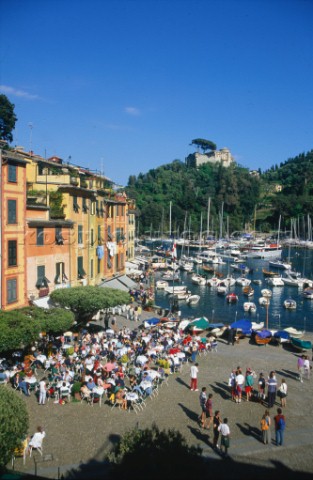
(222, 156)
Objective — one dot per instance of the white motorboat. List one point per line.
(293, 332)
(266, 293)
(197, 260)
(175, 289)
(161, 284)
(290, 304)
(249, 307)
(292, 281)
(221, 289)
(276, 282)
(198, 279)
(213, 282)
(186, 265)
(264, 301)
(170, 276)
(193, 299)
(229, 281)
(280, 264)
(243, 281)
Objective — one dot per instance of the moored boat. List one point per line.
(290, 304)
(266, 293)
(276, 282)
(249, 307)
(280, 264)
(302, 345)
(193, 299)
(161, 284)
(262, 337)
(293, 332)
(308, 293)
(231, 298)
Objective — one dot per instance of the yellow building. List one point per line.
(12, 229)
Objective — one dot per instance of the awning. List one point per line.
(114, 283)
(43, 302)
(120, 283)
(128, 282)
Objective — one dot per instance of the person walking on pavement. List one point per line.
(194, 377)
(265, 427)
(271, 389)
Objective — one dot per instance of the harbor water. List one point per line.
(216, 308)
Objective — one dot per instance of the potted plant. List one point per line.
(76, 390)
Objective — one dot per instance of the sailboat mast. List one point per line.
(208, 219)
(170, 219)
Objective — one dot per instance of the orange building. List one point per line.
(48, 258)
(12, 229)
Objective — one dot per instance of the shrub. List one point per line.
(14, 423)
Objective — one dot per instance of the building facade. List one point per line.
(61, 226)
(222, 156)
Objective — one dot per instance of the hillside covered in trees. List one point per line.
(238, 199)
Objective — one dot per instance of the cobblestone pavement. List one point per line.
(77, 432)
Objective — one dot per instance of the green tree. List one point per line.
(153, 453)
(85, 302)
(203, 144)
(17, 330)
(7, 118)
(14, 423)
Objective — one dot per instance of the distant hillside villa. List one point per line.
(216, 156)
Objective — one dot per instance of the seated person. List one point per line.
(120, 397)
(91, 384)
(64, 390)
(19, 382)
(85, 390)
(37, 438)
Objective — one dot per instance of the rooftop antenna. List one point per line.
(31, 136)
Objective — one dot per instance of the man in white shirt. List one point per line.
(225, 433)
(194, 377)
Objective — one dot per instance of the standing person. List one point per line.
(265, 427)
(282, 392)
(261, 387)
(194, 377)
(232, 384)
(209, 410)
(306, 367)
(280, 425)
(216, 423)
(225, 432)
(249, 381)
(42, 391)
(194, 351)
(271, 389)
(203, 399)
(240, 380)
(300, 366)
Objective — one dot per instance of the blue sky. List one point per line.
(124, 86)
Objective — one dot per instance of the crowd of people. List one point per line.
(116, 365)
